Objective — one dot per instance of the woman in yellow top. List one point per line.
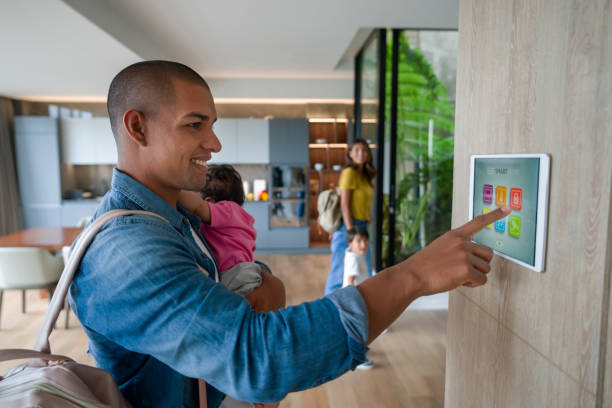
(356, 193)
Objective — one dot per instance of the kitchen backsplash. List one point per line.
(85, 181)
(91, 181)
(250, 172)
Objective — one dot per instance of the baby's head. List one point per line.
(357, 238)
(223, 183)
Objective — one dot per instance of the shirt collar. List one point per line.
(146, 199)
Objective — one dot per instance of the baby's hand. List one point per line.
(195, 204)
(190, 200)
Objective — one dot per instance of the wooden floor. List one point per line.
(408, 360)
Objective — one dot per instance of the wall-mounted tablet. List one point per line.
(519, 181)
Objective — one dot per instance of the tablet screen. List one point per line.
(512, 182)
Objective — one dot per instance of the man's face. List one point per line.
(181, 139)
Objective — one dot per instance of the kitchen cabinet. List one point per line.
(74, 211)
(38, 170)
(243, 141)
(274, 238)
(87, 141)
(289, 141)
(227, 133)
(259, 211)
(104, 142)
(288, 238)
(253, 141)
(77, 140)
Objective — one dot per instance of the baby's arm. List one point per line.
(351, 280)
(192, 202)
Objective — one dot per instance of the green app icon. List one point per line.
(514, 226)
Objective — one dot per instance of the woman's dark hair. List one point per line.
(223, 183)
(369, 171)
(357, 230)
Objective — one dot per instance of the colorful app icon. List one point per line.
(516, 198)
(500, 195)
(514, 226)
(487, 194)
(500, 225)
(486, 211)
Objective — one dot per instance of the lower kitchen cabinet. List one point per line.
(74, 211)
(259, 211)
(275, 238)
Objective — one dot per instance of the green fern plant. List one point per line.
(423, 183)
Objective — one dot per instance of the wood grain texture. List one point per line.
(530, 79)
(49, 238)
(604, 390)
(498, 369)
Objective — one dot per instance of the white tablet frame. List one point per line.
(542, 209)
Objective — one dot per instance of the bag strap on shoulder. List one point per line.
(20, 354)
(57, 301)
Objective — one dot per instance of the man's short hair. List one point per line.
(145, 86)
(357, 230)
(223, 183)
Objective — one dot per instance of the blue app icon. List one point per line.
(500, 225)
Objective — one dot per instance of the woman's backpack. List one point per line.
(328, 206)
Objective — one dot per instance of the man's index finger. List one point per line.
(471, 228)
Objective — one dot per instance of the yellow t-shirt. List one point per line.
(362, 193)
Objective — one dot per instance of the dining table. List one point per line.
(50, 238)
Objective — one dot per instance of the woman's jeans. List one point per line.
(339, 245)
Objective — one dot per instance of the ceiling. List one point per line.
(265, 50)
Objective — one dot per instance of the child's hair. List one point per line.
(223, 183)
(357, 230)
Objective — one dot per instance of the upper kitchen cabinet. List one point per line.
(227, 133)
(243, 141)
(253, 141)
(289, 141)
(104, 142)
(87, 141)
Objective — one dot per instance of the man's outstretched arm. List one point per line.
(448, 262)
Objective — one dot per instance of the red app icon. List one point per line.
(516, 198)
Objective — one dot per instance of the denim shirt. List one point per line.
(157, 323)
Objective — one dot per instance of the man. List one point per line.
(157, 323)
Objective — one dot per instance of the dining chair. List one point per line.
(28, 268)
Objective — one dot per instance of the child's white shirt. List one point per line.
(354, 265)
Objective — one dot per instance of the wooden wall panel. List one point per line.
(535, 76)
(487, 365)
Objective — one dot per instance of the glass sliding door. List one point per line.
(370, 71)
(421, 206)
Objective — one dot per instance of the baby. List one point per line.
(228, 228)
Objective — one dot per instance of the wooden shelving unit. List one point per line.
(328, 146)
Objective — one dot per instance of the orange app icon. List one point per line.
(516, 198)
(500, 195)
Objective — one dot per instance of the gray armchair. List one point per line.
(28, 268)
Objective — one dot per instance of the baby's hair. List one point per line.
(223, 183)
(357, 230)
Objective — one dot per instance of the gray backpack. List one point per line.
(328, 206)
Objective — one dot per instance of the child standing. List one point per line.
(228, 228)
(356, 266)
